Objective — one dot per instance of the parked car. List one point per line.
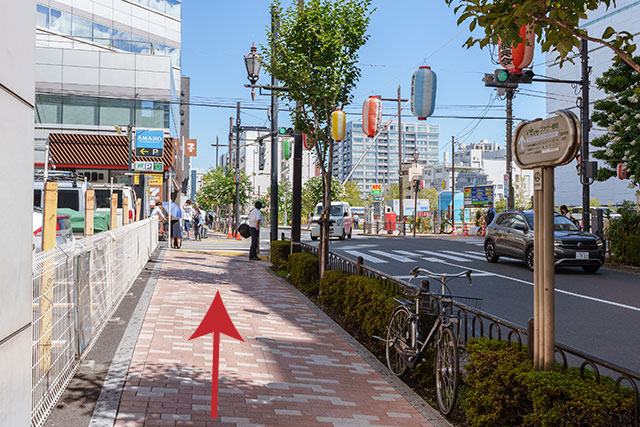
(103, 199)
(70, 194)
(511, 235)
(340, 213)
(64, 233)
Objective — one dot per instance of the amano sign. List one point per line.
(551, 142)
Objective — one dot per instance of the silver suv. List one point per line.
(511, 235)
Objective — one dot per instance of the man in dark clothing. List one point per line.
(254, 228)
(491, 213)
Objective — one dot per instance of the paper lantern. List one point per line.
(371, 116)
(516, 58)
(286, 148)
(423, 93)
(622, 171)
(338, 125)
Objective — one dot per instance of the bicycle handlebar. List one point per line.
(417, 270)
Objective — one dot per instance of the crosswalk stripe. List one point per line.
(366, 257)
(467, 254)
(394, 257)
(447, 256)
(476, 253)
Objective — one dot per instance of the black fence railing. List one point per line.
(476, 323)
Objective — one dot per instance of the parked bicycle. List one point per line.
(409, 334)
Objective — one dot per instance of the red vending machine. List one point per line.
(390, 222)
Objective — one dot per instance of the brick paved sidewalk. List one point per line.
(292, 369)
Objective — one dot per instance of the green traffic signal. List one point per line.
(282, 131)
(502, 75)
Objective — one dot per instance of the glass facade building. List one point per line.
(380, 164)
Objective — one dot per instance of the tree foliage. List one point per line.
(556, 24)
(312, 193)
(219, 189)
(619, 113)
(353, 194)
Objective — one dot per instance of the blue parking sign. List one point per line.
(149, 139)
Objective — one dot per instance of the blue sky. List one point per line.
(404, 35)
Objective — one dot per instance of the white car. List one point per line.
(103, 199)
(64, 233)
(341, 215)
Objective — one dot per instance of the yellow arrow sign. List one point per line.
(143, 151)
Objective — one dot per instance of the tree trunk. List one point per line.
(326, 199)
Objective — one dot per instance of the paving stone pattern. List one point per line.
(292, 369)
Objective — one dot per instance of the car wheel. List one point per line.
(490, 252)
(591, 269)
(529, 258)
(314, 238)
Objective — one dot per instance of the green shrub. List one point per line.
(505, 390)
(624, 235)
(332, 289)
(632, 253)
(280, 250)
(303, 272)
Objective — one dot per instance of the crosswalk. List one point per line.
(378, 256)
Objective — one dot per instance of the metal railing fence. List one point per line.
(476, 323)
(76, 288)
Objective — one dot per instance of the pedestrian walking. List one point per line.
(174, 215)
(197, 224)
(491, 213)
(187, 212)
(564, 211)
(356, 220)
(255, 216)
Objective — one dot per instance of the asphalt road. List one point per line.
(597, 313)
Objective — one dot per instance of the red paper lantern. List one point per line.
(622, 171)
(371, 116)
(515, 59)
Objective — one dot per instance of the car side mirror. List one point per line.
(521, 227)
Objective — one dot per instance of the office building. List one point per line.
(101, 63)
(380, 162)
(625, 16)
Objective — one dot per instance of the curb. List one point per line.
(430, 414)
(621, 267)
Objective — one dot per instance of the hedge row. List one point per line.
(505, 390)
(280, 250)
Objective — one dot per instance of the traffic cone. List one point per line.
(465, 229)
(238, 236)
(453, 227)
(230, 233)
(484, 227)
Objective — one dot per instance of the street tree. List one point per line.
(314, 54)
(619, 113)
(556, 24)
(312, 192)
(352, 194)
(219, 189)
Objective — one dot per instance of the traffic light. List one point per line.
(261, 154)
(285, 131)
(504, 79)
(418, 184)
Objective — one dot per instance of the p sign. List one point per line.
(191, 147)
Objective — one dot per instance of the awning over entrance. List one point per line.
(85, 151)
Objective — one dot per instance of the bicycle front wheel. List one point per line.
(399, 330)
(447, 370)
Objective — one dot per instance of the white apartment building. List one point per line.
(380, 163)
(625, 16)
(101, 63)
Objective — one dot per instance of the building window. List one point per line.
(102, 35)
(42, 16)
(60, 22)
(48, 109)
(115, 111)
(82, 28)
(80, 110)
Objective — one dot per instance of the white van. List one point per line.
(341, 214)
(103, 199)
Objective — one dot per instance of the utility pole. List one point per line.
(399, 100)
(296, 185)
(230, 142)
(585, 119)
(511, 198)
(236, 203)
(274, 141)
(453, 184)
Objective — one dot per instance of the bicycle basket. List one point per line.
(470, 302)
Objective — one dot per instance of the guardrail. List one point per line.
(475, 323)
(76, 288)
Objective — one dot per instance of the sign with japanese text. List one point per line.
(551, 142)
(147, 166)
(376, 188)
(191, 147)
(478, 196)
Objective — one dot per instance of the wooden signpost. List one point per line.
(114, 211)
(89, 206)
(138, 206)
(49, 221)
(542, 145)
(125, 210)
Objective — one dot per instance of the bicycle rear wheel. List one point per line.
(399, 330)
(447, 370)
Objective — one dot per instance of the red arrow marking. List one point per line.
(216, 321)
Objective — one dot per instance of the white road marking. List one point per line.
(560, 291)
(366, 257)
(349, 247)
(447, 256)
(467, 254)
(398, 258)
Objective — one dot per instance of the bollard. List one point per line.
(530, 335)
(282, 236)
(359, 262)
